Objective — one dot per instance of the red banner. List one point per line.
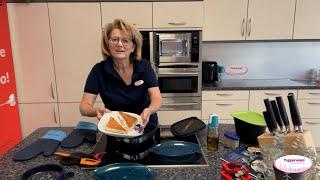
(10, 133)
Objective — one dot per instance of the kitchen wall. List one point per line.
(266, 60)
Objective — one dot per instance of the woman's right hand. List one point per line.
(101, 111)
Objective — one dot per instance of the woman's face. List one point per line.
(120, 45)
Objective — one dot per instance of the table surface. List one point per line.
(10, 169)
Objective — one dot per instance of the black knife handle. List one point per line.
(268, 122)
(277, 113)
(294, 111)
(282, 110)
(272, 117)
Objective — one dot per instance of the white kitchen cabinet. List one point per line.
(32, 52)
(270, 19)
(309, 108)
(76, 40)
(138, 14)
(34, 116)
(70, 114)
(248, 20)
(256, 102)
(170, 117)
(223, 103)
(177, 15)
(306, 24)
(224, 20)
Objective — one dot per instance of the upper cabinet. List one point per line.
(248, 20)
(306, 24)
(137, 13)
(224, 20)
(178, 15)
(76, 39)
(270, 19)
(32, 52)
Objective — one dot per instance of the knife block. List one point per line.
(266, 141)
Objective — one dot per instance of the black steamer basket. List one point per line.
(135, 148)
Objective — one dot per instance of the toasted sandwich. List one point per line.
(114, 126)
(130, 120)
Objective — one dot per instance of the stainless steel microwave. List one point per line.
(177, 47)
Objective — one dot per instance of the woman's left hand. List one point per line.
(145, 115)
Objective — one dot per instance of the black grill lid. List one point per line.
(187, 127)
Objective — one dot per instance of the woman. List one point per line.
(123, 80)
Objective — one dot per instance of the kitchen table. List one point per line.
(10, 169)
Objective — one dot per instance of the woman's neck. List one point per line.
(121, 64)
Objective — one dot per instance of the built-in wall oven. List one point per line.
(175, 57)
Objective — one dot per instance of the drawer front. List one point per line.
(256, 98)
(170, 117)
(309, 94)
(221, 121)
(309, 108)
(225, 95)
(313, 125)
(223, 108)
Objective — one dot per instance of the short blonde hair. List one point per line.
(128, 29)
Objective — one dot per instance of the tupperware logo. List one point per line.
(293, 164)
(294, 160)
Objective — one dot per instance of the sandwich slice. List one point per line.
(130, 120)
(114, 126)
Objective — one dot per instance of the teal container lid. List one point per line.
(213, 121)
(250, 117)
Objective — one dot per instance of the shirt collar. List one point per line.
(108, 66)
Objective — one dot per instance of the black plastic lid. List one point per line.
(187, 127)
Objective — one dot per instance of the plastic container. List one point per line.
(213, 133)
(187, 127)
(231, 140)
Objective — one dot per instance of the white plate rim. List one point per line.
(105, 119)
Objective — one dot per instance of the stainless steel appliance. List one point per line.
(176, 47)
(175, 57)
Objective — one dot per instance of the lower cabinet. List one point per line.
(70, 114)
(309, 107)
(223, 103)
(170, 117)
(34, 116)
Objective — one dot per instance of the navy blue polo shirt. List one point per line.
(115, 94)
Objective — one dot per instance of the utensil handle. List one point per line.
(283, 112)
(271, 114)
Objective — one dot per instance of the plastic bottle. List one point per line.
(213, 133)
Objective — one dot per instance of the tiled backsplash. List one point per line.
(266, 60)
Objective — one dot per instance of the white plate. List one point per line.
(105, 119)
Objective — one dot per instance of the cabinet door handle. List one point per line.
(52, 92)
(272, 94)
(54, 115)
(242, 27)
(314, 93)
(224, 94)
(249, 27)
(224, 104)
(177, 23)
(312, 123)
(313, 103)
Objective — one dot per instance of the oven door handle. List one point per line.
(181, 104)
(177, 74)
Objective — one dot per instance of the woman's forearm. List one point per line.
(87, 110)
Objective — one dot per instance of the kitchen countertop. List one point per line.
(259, 84)
(10, 169)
